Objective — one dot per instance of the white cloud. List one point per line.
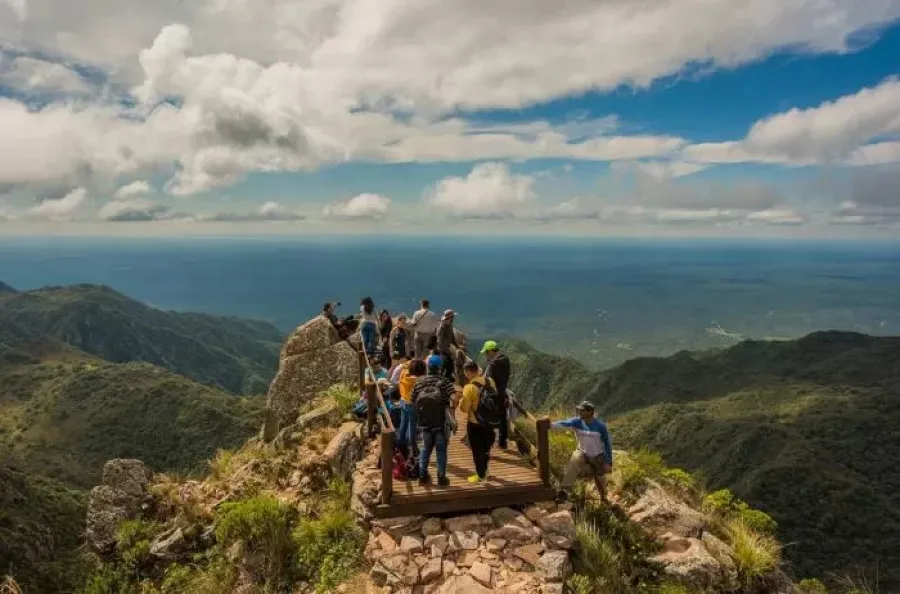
(287, 85)
(135, 188)
(36, 75)
(777, 217)
(833, 132)
(61, 208)
(133, 211)
(659, 169)
(362, 206)
(490, 190)
(269, 211)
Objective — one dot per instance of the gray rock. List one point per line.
(482, 573)
(345, 449)
(687, 561)
(437, 544)
(554, 566)
(411, 545)
(119, 498)
(463, 584)
(558, 530)
(431, 572)
(504, 516)
(127, 475)
(479, 523)
(318, 333)
(552, 588)
(431, 527)
(515, 534)
(400, 527)
(463, 541)
(168, 545)
(658, 512)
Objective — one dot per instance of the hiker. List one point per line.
(408, 377)
(378, 373)
(399, 339)
(445, 339)
(481, 403)
(425, 323)
(401, 364)
(498, 369)
(368, 325)
(385, 327)
(432, 396)
(594, 453)
(375, 373)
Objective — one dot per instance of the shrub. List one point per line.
(857, 583)
(262, 523)
(632, 470)
(344, 396)
(811, 586)
(580, 584)
(726, 504)
(133, 546)
(680, 478)
(755, 554)
(329, 548)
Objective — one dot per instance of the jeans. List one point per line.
(481, 439)
(434, 439)
(369, 337)
(448, 366)
(407, 432)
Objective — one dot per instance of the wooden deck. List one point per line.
(511, 480)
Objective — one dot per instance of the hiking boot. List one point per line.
(443, 481)
(424, 480)
(562, 497)
(474, 479)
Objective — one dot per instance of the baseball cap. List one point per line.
(434, 361)
(584, 406)
(448, 314)
(489, 346)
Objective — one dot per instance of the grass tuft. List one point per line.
(344, 396)
(755, 554)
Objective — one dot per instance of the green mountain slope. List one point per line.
(808, 430)
(237, 355)
(63, 414)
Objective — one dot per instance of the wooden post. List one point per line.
(387, 465)
(371, 408)
(543, 446)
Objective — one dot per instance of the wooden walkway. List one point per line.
(511, 480)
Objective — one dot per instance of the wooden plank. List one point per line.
(387, 465)
(543, 439)
(494, 498)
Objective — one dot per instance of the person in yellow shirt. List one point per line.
(479, 401)
(408, 377)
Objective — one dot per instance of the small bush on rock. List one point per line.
(755, 554)
(344, 396)
(811, 586)
(262, 524)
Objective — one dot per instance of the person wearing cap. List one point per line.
(593, 456)
(435, 436)
(499, 369)
(424, 323)
(445, 339)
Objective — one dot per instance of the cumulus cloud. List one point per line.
(60, 208)
(659, 169)
(236, 87)
(269, 211)
(872, 200)
(36, 75)
(135, 188)
(488, 191)
(133, 211)
(362, 206)
(833, 132)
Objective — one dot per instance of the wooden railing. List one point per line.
(378, 421)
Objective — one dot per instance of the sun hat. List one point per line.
(489, 346)
(448, 314)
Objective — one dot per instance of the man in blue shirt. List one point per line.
(594, 453)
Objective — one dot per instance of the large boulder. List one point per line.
(121, 497)
(313, 359)
(688, 562)
(659, 513)
(345, 449)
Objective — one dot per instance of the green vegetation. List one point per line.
(344, 396)
(807, 430)
(233, 354)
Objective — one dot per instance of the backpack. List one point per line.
(400, 469)
(490, 410)
(430, 407)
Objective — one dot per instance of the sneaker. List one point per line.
(562, 497)
(443, 481)
(474, 479)
(424, 480)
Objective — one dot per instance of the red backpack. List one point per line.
(399, 472)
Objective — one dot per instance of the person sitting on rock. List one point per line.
(594, 453)
(432, 396)
(368, 325)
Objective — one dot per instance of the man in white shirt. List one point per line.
(425, 324)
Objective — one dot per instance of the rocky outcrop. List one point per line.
(345, 449)
(120, 497)
(312, 360)
(468, 553)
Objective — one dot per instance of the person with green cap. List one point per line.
(499, 369)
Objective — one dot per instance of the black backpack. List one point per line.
(490, 409)
(430, 407)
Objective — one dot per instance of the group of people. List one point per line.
(411, 360)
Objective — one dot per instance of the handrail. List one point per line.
(386, 422)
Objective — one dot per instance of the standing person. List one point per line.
(481, 403)
(368, 325)
(385, 327)
(445, 339)
(399, 339)
(432, 396)
(425, 323)
(594, 453)
(499, 369)
(328, 312)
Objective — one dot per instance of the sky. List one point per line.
(660, 118)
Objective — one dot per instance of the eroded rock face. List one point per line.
(344, 449)
(312, 360)
(659, 513)
(119, 498)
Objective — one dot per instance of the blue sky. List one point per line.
(778, 121)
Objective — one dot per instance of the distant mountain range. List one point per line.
(807, 429)
(87, 374)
